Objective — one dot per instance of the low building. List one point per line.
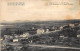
(61, 27)
(71, 25)
(79, 25)
(24, 35)
(61, 36)
(40, 31)
(7, 37)
(78, 36)
(15, 40)
(47, 30)
(1, 39)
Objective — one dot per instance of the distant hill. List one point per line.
(41, 22)
(24, 25)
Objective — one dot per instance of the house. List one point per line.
(1, 39)
(61, 27)
(7, 37)
(47, 30)
(71, 25)
(79, 25)
(40, 31)
(15, 40)
(61, 36)
(33, 28)
(24, 35)
(78, 36)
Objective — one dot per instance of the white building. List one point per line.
(40, 31)
(47, 30)
(79, 25)
(8, 37)
(72, 25)
(61, 36)
(78, 36)
(61, 27)
(32, 27)
(24, 35)
(1, 39)
(15, 40)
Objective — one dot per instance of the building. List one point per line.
(8, 37)
(47, 30)
(61, 27)
(24, 35)
(78, 36)
(15, 40)
(61, 36)
(40, 31)
(1, 39)
(33, 28)
(71, 25)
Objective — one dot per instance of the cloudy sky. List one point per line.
(42, 10)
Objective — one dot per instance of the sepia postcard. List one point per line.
(39, 25)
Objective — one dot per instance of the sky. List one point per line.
(42, 10)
